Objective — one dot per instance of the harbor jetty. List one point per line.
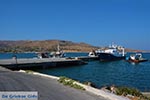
(36, 63)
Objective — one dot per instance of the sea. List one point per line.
(118, 73)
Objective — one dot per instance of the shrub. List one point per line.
(29, 71)
(125, 91)
(130, 91)
(69, 82)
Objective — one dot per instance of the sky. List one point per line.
(96, 22)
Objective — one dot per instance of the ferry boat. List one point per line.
(136, 58)
(112, 53)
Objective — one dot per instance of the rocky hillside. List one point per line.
(45, 45)
(48, 46)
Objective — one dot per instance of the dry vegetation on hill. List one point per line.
(45, 45)
(48, 46)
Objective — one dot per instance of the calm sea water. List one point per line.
(120, 73)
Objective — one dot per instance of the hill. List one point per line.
(48, 46)
(45, 45)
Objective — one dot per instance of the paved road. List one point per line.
(48, 89)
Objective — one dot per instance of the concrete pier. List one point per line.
(34, 63)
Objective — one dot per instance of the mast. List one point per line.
(58, 48)
(123, 51)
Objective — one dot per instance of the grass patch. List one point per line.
(125, 91)
(29, 71)
(69, 82)
(131, 91)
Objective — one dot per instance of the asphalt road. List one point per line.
(48, 89)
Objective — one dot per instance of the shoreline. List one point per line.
(90, 89)
(57, 77)
(98, 92)
(47, 88)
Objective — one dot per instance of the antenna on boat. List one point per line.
(123, 51)
(112, 45)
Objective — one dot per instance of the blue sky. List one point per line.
(97, 22)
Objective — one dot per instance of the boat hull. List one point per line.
(137, 61)
(109, 57)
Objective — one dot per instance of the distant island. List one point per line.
(48, 46)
